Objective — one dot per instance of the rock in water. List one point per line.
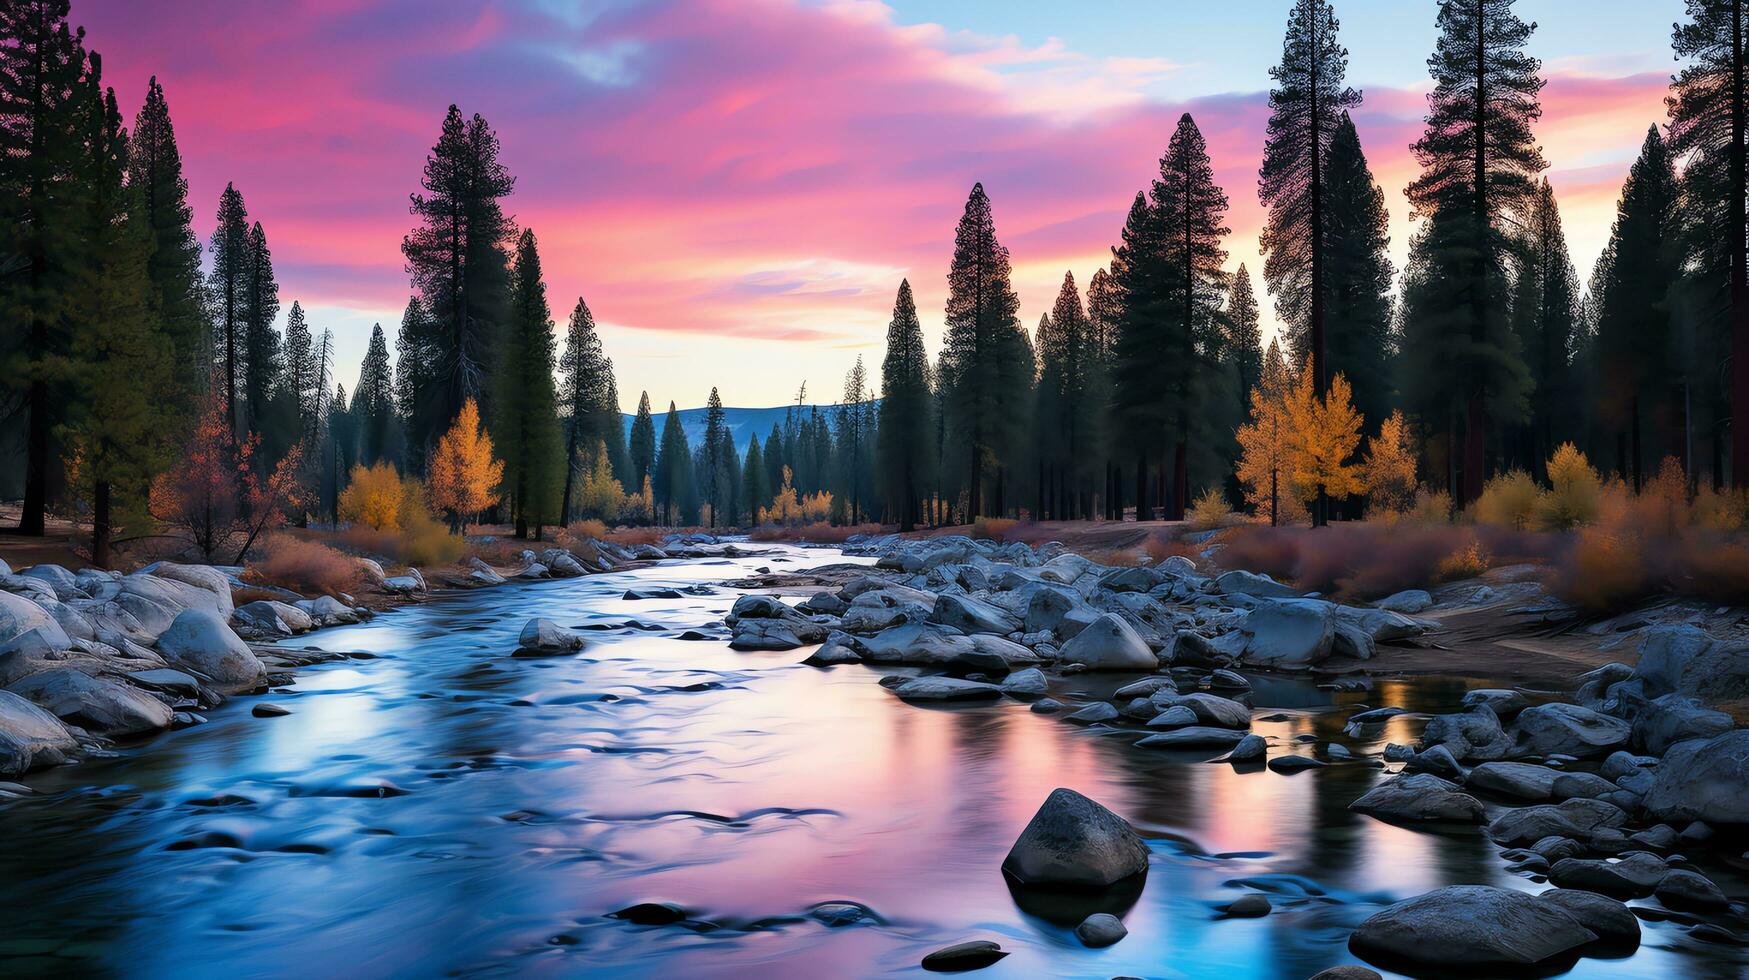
(1252, 906)
(1615, 925)
(1473, 929)
(200, 642)
(1348, 972)
(1417, 798)
(974, 955)
(1289, 632)
(1100, 929)
(1688, 890)
(546, 636)
(1634, 876)
(97, 704)
(1251, 748)
(1109, 643)
(1073, 842)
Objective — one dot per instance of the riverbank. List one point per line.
(1636, 788)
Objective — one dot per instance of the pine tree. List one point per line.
(417, 383)
(1635, 338)
(299, 364)
(985, 365)
(1244, 333)
(1306, 107)
(41, 93)
(855, 449)
(121, 362)
(1104, 313)
(588, 399)
(755, 488)
(373, 404)
(775, 460)
(261, 357)
(1193, 208)
(1141, 404)
(643, 442)
(903, 435)
(1478, 161)
(1545, 316)
(526, 403)
(673, 470)
(1709, 128)
(228, 289)
(173, 266)
(457, 259)
(712, 474)
(1357, 275)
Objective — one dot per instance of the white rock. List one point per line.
(1109, 643)
(200, 642)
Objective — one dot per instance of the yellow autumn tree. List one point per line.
(1323, 434)
(463, 476)
(1389, 468)
(600, 495)
(786, 507)
(1263, 443)
(374, 497)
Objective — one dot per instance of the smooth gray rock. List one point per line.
(1635, 875)
(1177, 716)
(1100, 929)
(204, 577)
(1290, 764)
(1073, 842)
(200, 642)
(1688, 891)
(1210, 709)
(99, 705)
(1287, 633)
(19, 616)
(1109, 643)
(546, 636)
(1251, 748)
(1568, 729)
(1440, 762)
(1703, 780)
(1095, 712)
(1570, 818)
(960, 957)
(1671, 718)
(1469, 928)
(1613, 922)
(915, 643)
(1685, 659)
(1506, 703)
(30, 737)
(1195, 737)
(1058, 609)
(1253, 905)
(1521, 780)
(1419, 798)
(1241, 582)
(969, 615)
(1408, 602)
(1028, 683)
(945, 689)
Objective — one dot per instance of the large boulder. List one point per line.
(1289, 633)
(916, 643)
(1635, 875)
(31, 737)
(1473, 735)
(1477, 930)
(1521, 780)
(943, 688)
(1703, 780)
(1194, 737)
(1408, 602)
(1109, 643)
(203, 577)
(1686, 659)
(1671, 718)
(200, 642)
(969, 615)
(99, 705)
(1209, 709)
(1419, 798)
(19, 616)
(872, 612)
(1568, 729)
(1074, 843)
(1615, 924)
(1570, 818)
(1059, 610)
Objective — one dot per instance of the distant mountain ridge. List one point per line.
(742, 422)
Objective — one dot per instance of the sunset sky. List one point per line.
(737, 187)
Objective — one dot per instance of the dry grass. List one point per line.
(994, 529)
(1160, 546)
(303, 566)
(1373, 560)
(631, 537)
(591, 528)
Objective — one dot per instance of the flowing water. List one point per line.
(448, 809)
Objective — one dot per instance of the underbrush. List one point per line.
(303, 566)
(817, 533)
(1373, 560)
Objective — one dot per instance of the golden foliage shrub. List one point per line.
(1510, 499)
(1389, 468)
(993, 528)
(1605, 571)
(1575, 494)
(373, 497)
(1209, 511)
(589, 528)
(1468, 561)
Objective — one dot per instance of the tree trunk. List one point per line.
(1739, 263)
(1141, 487)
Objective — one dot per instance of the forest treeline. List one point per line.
(146, 383)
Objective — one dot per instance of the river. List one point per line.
(446, 808)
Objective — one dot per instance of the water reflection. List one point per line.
(447, 808)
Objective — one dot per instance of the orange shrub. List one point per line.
(1160, 546)
(591, 528)
(816, 533)
(303, 566)
(1605, 571)
(993, 528)
(1711, 568)
(631, 537)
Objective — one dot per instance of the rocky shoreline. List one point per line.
(1615, 796)
(92, 657)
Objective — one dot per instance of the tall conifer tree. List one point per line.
(173, 267)
(373, 404)
(642, 442)
(228, 289)
(1357, 276)
(261, 358)
(526, 403)
(903, 438)
(1478, 167)
(1545, 315)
